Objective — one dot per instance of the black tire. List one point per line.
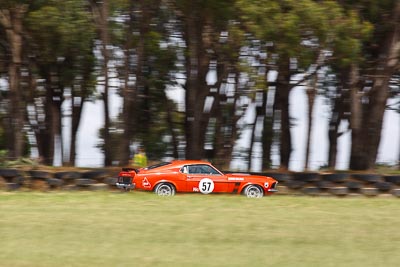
(311, 191)
(164, 190)
(306, 176)
(394, 179)
(369, 178)
(354, 186)
(96, 175)
(13, 186)
(280, 177)
(68, 175)
(396, 192)
(335, 177)
(9, 173)
(111, 180)
(18, 180)
(339, 191)
(54, 182)
(370, 192)
(384, 186)
(40, 175)
(84, 182)
(253, 191)
(324, 185)
(294, 185)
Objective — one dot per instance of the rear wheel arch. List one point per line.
(164, 188)
(164, 181)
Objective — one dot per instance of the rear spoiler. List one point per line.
(130, 169)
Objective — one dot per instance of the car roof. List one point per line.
(173, 164)
(189, 162)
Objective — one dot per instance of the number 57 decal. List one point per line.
(206, 186)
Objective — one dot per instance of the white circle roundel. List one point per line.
(206, 186)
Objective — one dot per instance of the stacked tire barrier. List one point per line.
(38, 180)
(337, 184)
(296, 183)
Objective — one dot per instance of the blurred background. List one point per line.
(247, 85)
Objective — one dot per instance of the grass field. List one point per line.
(141, 229)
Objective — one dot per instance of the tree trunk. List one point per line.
(255, 137)
(197, 62)
(129, 93)
(45, 136)
(267, 133)
(172, 128)
(252, 140)
(101, 16)
(358, 154)
(334, 123)
(380, 90)
(11, 20)
(75, 121)
(105, 40)
(311, 91)
(226, 126)
(282, 101)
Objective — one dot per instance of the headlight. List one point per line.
(266, 184)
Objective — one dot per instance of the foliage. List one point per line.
(300, 29)
(65, 27)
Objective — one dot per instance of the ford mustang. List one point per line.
(167, 178)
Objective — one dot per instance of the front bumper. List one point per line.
(272, 190)
(125, 186)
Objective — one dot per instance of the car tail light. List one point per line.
(125, 179)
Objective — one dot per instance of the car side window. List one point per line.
(193, 169)
(185, 169)
(210, 170)
(202, 169)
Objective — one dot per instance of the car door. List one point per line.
(205, 179)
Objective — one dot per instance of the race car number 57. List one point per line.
(206, 186)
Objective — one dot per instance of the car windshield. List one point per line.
(157, 165)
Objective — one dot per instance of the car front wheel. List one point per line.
(165, 190)
(253, 191)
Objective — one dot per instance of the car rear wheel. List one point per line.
(253, 191)
(165, 190)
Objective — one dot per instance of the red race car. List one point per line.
(167, 178)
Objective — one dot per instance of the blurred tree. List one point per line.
(155, 63)
(363, 68)
(227, 91)
(147, 58)
(60, 51)
(101, 15)
(302, 34)
(369, 80)
(203, 22)
(12, 14)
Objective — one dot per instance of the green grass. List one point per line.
(141, 229)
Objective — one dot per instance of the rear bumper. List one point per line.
(125, 186)
(272, 190)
